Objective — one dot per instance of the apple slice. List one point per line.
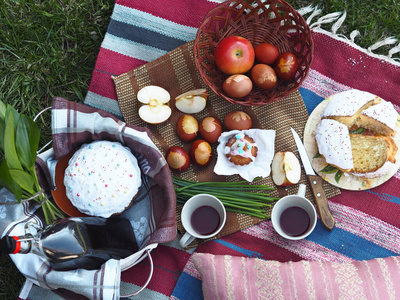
(192, 102)
(154, 102)
(286, 169)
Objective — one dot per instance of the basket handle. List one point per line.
(148, 279)
(34, 120)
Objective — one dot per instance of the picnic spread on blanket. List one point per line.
(277, 180)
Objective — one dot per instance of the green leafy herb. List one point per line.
(329, 169)
(19, 139)
(240, 197)
(317, 155)
(359, 130)
(338, 175)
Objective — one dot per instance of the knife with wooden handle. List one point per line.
(316, 185)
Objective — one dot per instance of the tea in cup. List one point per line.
(203, 216)
(294, 216)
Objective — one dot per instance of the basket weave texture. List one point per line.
(272, 21)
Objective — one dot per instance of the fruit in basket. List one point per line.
(285, 169)
(192, 102)
(210, 129)
(200, 152)
(264, 76)
(286, 66)
(237, 120)
(237, 86)
(266, 53)
(187, 128)
(177, 158)
(234, 55)
(154, 104)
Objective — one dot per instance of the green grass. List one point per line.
(48, 48)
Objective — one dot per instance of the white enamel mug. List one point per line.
(189, 207)
(298, 200)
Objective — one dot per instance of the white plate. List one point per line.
(347, 181)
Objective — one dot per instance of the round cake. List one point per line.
(102, 178)
(371, 152)
(241, 149)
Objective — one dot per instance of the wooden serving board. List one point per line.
(347, 181)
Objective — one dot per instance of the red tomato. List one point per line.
(286, 66)
(266, 53)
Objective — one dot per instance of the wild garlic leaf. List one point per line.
(359, 130)
(329, 169)
(338, 175)
(2, 129)
(3, 110)
(27, 141)
(25, 180)
(7, 181)
(10, 153)
(317, 155)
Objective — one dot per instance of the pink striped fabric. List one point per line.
(228, 277)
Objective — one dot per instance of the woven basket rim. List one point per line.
(294, 30)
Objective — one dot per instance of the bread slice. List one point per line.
(380, 119)
(356, 109)
(345, 107)
(361, 155)
(371, 152)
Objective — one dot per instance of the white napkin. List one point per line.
(260, 167)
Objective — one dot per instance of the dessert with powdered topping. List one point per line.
(241, 149)
(102, 178)
(371, 154)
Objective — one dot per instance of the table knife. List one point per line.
(316, 185)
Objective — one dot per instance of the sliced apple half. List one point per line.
(192, 102)
(154, 104)
(285, 169)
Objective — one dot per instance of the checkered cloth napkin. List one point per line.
(152, 214)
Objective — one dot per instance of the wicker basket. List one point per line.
(268, 21)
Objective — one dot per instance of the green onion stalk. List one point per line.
(240, 196)
(50, 211)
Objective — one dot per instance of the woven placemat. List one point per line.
(176, 72)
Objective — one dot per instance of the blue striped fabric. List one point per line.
(143, 36)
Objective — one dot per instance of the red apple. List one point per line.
(234, 55)
(285, 169)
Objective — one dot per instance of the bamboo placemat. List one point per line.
(176, 72)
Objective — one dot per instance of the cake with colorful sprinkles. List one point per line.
(241, 149)
(102, 178)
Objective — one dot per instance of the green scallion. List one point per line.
(240, 196)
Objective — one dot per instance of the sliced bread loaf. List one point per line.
(371, 152)
(369, 155)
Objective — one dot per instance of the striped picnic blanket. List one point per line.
(367, 222)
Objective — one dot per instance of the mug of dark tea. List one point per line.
(202, 216)
(294, 216)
